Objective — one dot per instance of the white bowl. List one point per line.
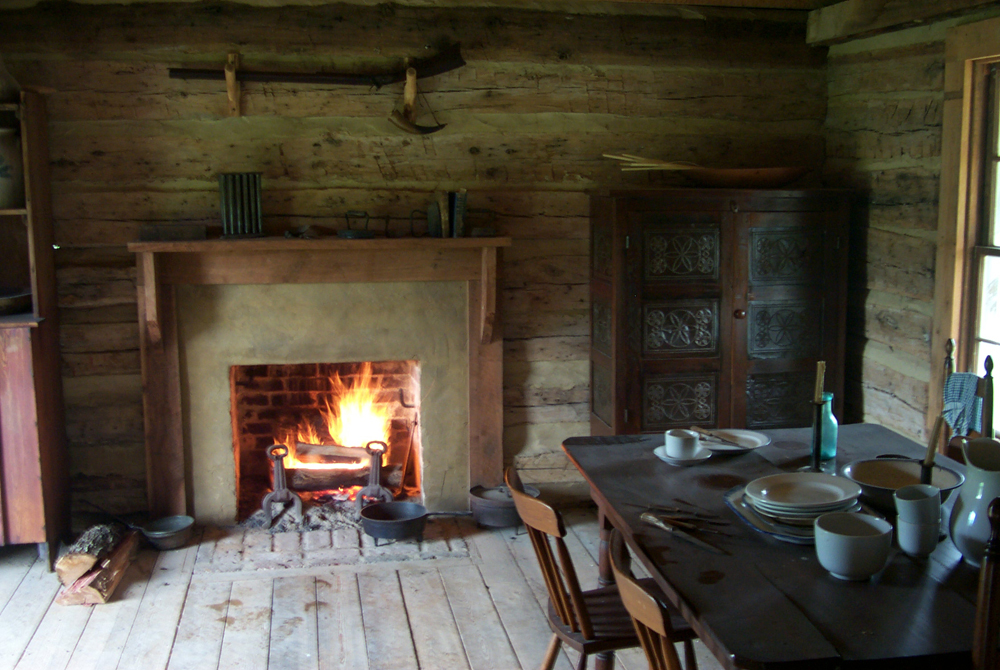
(852, 546)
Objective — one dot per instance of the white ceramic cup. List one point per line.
(917, 539)
(918, 504)
(852, 546)
(680, 443)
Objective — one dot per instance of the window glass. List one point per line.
(989, 314)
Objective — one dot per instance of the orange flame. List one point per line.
(351, 417)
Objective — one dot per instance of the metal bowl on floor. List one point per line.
(171, 532)
(494, 507)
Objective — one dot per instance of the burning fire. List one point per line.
(351, 418)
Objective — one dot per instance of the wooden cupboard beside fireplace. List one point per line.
(711, 307)
(33, 468)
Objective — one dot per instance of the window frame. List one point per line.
(969, 51)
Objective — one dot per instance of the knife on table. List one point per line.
(654, 520)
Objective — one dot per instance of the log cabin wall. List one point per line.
(883, 132)
(542, 97)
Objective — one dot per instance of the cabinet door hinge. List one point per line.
(626, 241)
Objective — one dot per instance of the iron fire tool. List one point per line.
(281, 493)
(654, 520)
(374, 491)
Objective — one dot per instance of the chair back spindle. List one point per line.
(651, 623)
(984, 389)
(986, 634)
(546, 531)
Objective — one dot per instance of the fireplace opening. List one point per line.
(326, 414)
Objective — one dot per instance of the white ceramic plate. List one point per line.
(750, 439)
(802, 490)
(798, 511)
(805, 520)
(699, 456)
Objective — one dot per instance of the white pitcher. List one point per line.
(970, 524)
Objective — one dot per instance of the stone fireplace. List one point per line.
(208, 306)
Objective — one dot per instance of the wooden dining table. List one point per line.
(767, 603)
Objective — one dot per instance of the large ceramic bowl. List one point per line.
(852, 546)
(880, 477)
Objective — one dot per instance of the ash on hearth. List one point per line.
(327, 516)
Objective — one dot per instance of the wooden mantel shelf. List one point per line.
(323, 244)
(164, 265)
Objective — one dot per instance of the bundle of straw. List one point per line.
(631, 163)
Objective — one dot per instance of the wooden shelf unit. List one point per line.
(34, 478)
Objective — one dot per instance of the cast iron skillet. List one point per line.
(398, 520)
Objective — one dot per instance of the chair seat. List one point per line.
(613, 628)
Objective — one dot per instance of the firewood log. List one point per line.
(90, 548)
(322, 453)
(99, 584)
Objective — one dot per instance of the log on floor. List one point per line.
(89, 550)
(98, 585)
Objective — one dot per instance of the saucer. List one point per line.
(699, 456)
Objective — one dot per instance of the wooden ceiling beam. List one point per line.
(852, 19)
(692, 8)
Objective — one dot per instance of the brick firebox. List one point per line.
(269, 400)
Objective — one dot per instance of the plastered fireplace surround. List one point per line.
(204, 306)
(220, 326)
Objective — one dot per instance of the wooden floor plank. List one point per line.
(435, 635)
(483, 635)
(523, 618)
(24, 611)
(148, 647)
(387, 629)
(294, 644)
(56, 638)
(198, 643)
(340, 624)
(245, 641)
(108, 628)
(15, 561)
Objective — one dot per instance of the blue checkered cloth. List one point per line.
(962, 408)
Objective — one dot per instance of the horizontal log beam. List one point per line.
(852, 19)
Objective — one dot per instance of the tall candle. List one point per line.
(820, 374)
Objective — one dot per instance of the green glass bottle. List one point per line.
(828, 429)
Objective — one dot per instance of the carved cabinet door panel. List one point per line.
(677, 321)
(789, 294)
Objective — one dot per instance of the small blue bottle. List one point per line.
(828, 429)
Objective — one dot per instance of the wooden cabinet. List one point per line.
(711, 307)
(33, 468)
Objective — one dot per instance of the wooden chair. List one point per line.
(984, 390)
(588, 621)
(653, 621)
(986, 632)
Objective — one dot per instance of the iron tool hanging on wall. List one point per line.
(448, 58)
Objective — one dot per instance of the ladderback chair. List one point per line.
(983, 391)
(651, 618)
(986, 632)
(591, 621)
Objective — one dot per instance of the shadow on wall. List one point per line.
(857, 293)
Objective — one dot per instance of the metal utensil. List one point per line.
(654, 520)
(718, 438)
(927, 466)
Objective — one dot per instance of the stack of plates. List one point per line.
(797, 498)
